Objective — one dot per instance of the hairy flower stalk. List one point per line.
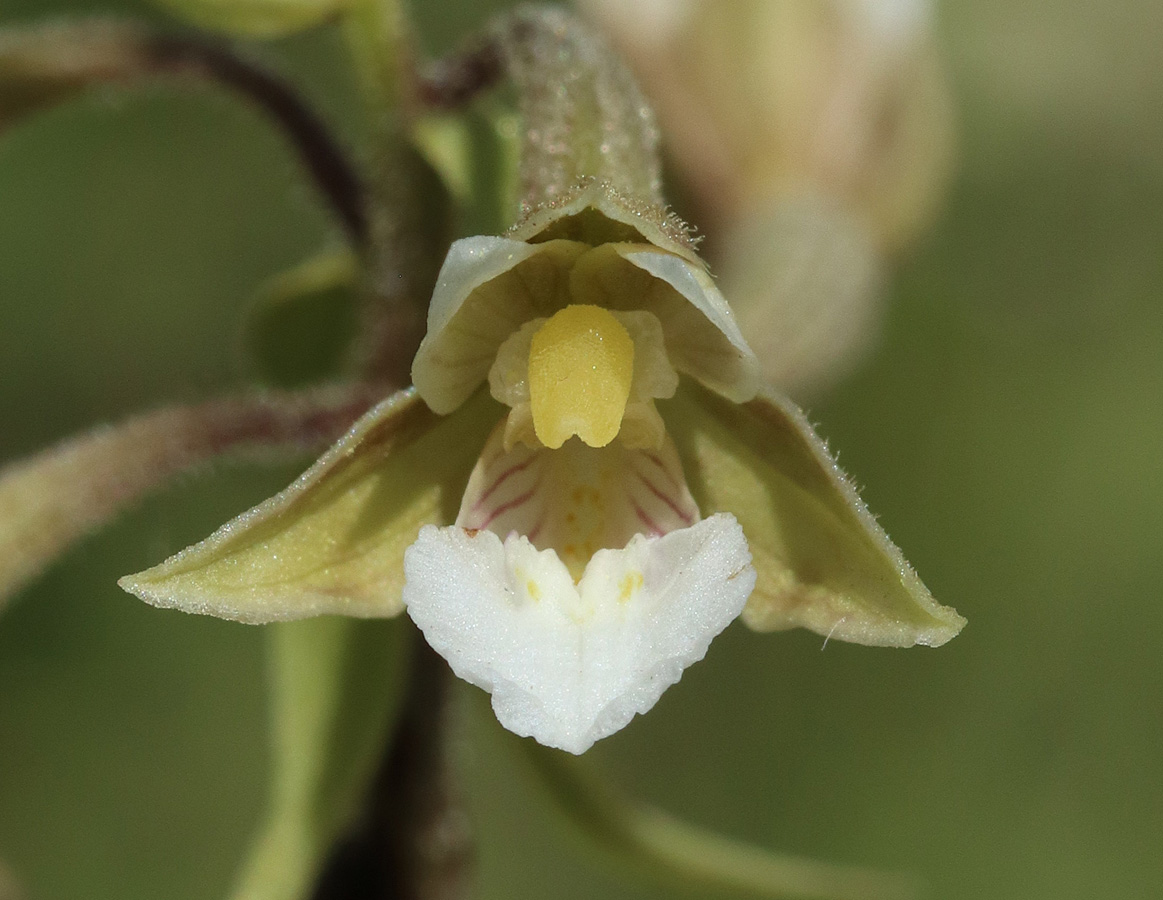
(588, 480)
(56, 497)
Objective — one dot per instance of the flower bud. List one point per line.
(820, 131)
(760, 96)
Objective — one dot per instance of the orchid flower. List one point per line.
(585, 485)
(587, 481)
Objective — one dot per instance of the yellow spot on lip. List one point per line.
(581, 362)
(630, 583)
(533, 589)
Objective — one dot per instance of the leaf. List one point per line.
(333, 542)
(823, 561)
(333, 696)
(680, 855)
(476, 153)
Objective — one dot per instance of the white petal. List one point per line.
(570, 664)
(489, 287)
(509, 374)
(654, 376)
(508, 282)
(728, 367)
(702, 337)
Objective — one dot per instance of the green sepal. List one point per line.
(334, 689)
(333, 542)
(255, 18)
(54, 498)
(823, 561)
(303, 323)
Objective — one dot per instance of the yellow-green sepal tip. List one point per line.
(823, 561)
(333, 542)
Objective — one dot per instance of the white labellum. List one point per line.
(570, 663)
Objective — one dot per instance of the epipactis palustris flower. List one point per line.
(585, 485)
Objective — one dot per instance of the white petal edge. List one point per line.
(451, 362)
(570, 664)
(734, 373)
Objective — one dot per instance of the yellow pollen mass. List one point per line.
(581, 362)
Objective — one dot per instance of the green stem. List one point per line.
(409, 212)
(681, 854)
(333, 698)
(380, 37)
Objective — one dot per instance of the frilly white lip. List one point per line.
(566, 663)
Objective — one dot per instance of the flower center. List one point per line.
(581, 365)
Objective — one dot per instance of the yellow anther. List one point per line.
(581, 363)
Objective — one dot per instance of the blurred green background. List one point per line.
(1008, 432)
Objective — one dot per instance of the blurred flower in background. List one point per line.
(814, 138)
